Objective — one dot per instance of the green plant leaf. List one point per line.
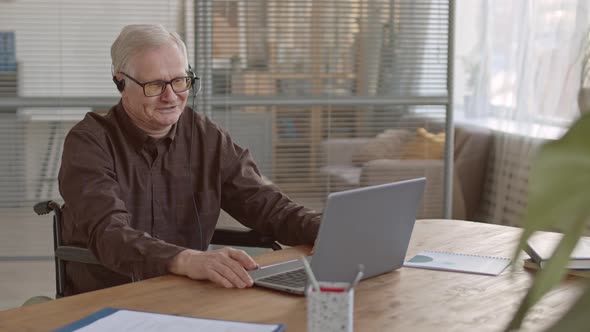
(577, 318)
(559, 199)
(549, 276)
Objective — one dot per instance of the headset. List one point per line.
(120, 84)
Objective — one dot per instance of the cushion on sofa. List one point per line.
(424, 145)
(386, 145)
(395, 144)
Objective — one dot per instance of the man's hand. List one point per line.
(226, 267)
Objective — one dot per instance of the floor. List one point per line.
(22, 280)
(26, 262)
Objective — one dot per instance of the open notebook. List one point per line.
(541, 248)
(448, 261)
(113, 320)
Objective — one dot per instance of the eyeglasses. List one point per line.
(156, 88)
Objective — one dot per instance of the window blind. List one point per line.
(343, 87)
(327, 94)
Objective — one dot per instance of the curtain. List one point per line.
(521, 72)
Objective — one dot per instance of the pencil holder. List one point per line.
(331, 309)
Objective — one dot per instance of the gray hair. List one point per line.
(135, 38)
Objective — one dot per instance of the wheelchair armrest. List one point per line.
(75, 254)
(45, 207)
(243, 238)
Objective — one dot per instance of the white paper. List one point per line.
(447, 261)
(126, 320)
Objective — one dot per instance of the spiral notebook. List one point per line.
(449, 261)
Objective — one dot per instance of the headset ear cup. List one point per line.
(194, 78)
(192, 75)
(119, 83)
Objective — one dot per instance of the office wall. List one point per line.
(63, 49)
(12, 173)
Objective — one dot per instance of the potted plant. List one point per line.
(559, 199)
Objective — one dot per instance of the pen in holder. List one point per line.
(330, 305)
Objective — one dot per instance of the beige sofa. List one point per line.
(347, 164)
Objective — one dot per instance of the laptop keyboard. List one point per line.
(295, 278)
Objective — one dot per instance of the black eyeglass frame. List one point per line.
(190, 78)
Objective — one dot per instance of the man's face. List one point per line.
(155, 115)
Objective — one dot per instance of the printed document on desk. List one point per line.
(113, 320)
(448, 261)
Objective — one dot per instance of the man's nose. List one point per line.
(168, 94)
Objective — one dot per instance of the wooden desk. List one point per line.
(404, 300)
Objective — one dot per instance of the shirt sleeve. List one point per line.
(89, 187)
(259, 205)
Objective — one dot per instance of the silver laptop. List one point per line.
(370, 226)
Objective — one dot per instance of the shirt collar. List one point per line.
(137, 136)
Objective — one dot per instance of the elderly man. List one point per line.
(143, 186)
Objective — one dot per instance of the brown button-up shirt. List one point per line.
(136, 202)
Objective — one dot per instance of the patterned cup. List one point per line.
(331, 309)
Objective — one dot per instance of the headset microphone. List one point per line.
(119, 83)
